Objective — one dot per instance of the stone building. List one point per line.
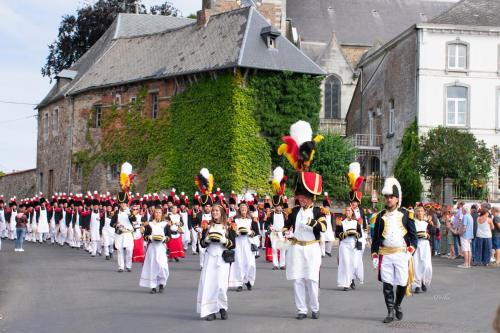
(21, 184)
(161, 55)
(445, 72)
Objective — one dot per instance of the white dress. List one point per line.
(243, 268)
(213, 284)
(155, 267)
(303, 262)
(422, 262)
(347, 250)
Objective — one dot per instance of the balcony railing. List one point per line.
(366, 141)
(332, 126)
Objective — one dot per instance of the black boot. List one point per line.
(249, 285)
(353, 285)
(400, 294)
(161, 288)
(424, 288)
(389, 302)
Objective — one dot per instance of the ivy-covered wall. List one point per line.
(229, 125)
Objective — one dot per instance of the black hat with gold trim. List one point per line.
(299, 148)
(205, 182)
(355, 181)
(278, 184)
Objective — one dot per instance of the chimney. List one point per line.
(202, 17)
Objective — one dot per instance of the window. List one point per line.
(40, 182)
(332, 97)
(456, 106)
(118, 101)
(154, 105)
(133, 99)
(457, 56)
(113, 172)
(391, 117)
(498, 109)
(46, 126)
(97, 115)
(370, 127)
(55, 120)
(78, 172)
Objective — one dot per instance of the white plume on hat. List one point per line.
(392, 187)
(301, 132)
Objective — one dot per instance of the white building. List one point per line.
(445, 72)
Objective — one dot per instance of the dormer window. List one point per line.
(270, 36)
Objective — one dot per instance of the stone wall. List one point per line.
(21, 184)
(390, 76)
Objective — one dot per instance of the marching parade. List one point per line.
(149, 232)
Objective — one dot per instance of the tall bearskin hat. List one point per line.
(326, 200)
(205, 182)
(126, 180)
(196, 198)
(136, 200)
(233, 199)
(355, 181)
(299, 149)
(278, 184)
(12, 202)
(392, 187)
(95, 199)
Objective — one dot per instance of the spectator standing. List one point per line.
(466, 235)
(450, 238)
(474, 214)
(496, 235)
(21, 225)
(457, 220)
(484, 235)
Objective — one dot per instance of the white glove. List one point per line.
(375, 263)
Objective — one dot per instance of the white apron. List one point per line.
(243, 268)
(186, 236)
(108, 233)
(303, 262)
(43, 223)
(328, 235)
(155, 267)
(77, 234)
(347, 257)
(95, 223)
(126, 238)
(422, 262)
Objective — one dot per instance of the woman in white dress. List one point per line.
(108, 232)
(216, 238)
(243, 269)
(155, 268)
(348, 232)
(422, 263)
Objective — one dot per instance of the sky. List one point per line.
(27, 27)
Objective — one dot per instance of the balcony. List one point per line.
(366, 141)
(332, 126)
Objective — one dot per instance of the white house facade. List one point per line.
(459, 83)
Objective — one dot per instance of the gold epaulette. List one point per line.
(288, 211)
(325, 211)
(338, 222)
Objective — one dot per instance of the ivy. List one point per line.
(229, 126)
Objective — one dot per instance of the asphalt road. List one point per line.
(53, 289)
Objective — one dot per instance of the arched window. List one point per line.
(332, 97)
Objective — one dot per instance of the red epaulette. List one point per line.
(85, 213)
(69, 211)
(58, 210)
(37, 208)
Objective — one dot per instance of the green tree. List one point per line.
(332, 159)
(406, 170)
(2, 173)
(78, 33)
(455, 154)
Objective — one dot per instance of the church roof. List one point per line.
(360, 22)
(230, 39)
(472, 12)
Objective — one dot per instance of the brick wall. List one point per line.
(21, 184)
(54, 153)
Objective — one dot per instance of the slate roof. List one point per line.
(360, 22)
(228, 40)
(472, 12)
